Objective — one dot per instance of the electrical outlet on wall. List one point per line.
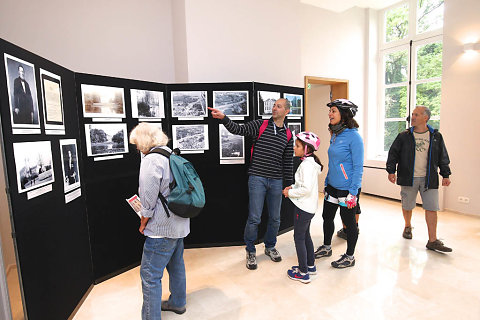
(463, 199)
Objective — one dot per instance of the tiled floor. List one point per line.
(393, 278)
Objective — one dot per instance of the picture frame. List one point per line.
(70, 169)
(190, 138)
(22, 93)
(102, 101)
(147, 105)
(106, 139)
(189, 105)
(232, 103)
(34, 164)
(266, 100)
(52, 100)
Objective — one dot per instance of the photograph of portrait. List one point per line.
(102, 102)
(232, 146)
(189, 104)
(266, 100)
(231, 103)
(106, 138)
(147, 104)
(296, 101)
(295, 127)
(71, 176)
(190, 137)
(52, 100)
(33, 162)
(22, 92)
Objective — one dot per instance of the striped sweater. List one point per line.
(155, 175)
(272, 154)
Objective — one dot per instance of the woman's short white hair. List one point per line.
(146, 136)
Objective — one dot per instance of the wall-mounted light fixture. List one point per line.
(472, 46)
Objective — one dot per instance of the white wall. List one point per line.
(118, 38)
(247, 40)
(333, 46)
(460, 103)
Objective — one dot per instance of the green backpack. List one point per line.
(187, 197)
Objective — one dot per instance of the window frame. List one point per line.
(411, 42)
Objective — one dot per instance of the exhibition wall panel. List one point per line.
(112, 165)
(43, 172)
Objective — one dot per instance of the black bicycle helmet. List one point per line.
(344, 104)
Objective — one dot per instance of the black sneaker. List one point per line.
(407, 233)
(167, 307)
(251, 261)
(342, 234)
(273, 254)
(322, 251)
(438, 245)
(344, 262)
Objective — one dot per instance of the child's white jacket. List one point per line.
(304, 193)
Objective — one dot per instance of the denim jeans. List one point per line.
(159, 253)
(303, 240)
(259, 189)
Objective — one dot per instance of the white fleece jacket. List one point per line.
(304, 193)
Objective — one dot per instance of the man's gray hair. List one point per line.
(426, 111)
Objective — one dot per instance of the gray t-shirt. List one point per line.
(422, 141)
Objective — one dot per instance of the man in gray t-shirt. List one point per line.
(416, 154)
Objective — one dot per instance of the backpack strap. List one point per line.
(167, 154)
(289, 134)
(260, 132)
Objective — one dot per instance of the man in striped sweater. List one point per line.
(271, 167)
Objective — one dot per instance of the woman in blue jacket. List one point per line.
(344, 179)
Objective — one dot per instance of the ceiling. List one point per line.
(342, 5)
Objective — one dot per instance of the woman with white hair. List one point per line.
(163, 246)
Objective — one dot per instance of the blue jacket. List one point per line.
(345, 161)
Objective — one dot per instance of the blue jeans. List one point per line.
(158, 254)
(303, 240)
(259, 189)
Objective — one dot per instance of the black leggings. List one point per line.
(303, 240)
(348, 219)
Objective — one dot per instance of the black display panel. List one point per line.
(116, 242)
(51, 236)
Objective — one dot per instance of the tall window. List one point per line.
(411, 65)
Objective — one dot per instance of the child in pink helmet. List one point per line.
(304, 195)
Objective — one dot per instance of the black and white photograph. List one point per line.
(295, 127)
(22, 93)
(190, 137)
(106, 138)
(147, 104)
(52, 100)
(266, 100)
(71, 176)
(296, 101)
(102, 102)
(34, 165)
(231, 103)
(232, 147)
(189, 104)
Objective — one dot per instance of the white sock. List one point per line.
(350, 257)
(328, 246)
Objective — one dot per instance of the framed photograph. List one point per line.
(190, 137)
(71, 176)
(296, 100)
(33, 162)
(295, 127)
(52, 100)
(147, 104)
(231, 103)
(22, 93)
(266, 100)
(106, 139)
(102, 102)
(232, 147)
(189, 104)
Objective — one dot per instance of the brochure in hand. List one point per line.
(135, 203)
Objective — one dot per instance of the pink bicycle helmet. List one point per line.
(309, 138)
